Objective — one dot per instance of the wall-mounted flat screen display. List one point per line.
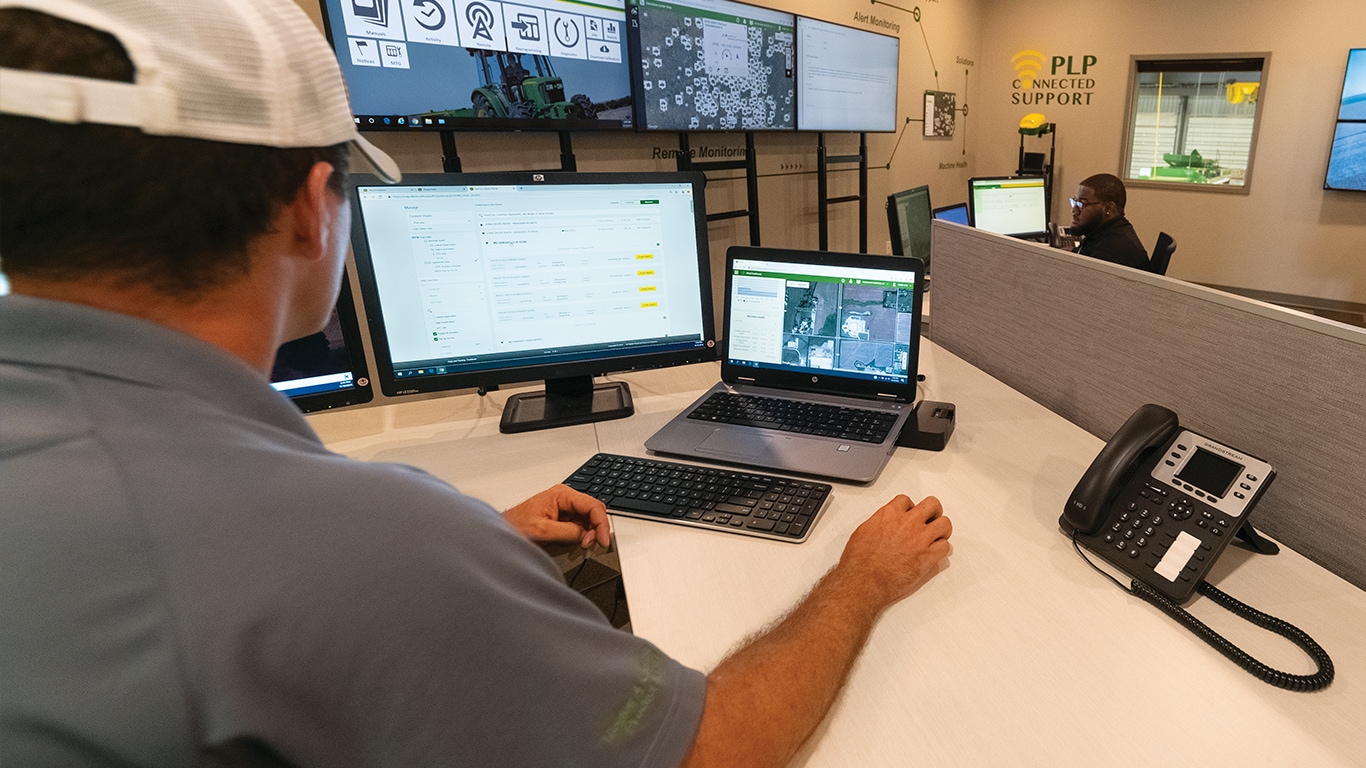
(846, 78)
(711, 65)
(1347, 160)
(483, 64)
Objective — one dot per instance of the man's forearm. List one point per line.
(767, 698)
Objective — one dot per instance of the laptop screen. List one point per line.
(957, 213)
(853, 321)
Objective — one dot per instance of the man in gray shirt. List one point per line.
(189, 575)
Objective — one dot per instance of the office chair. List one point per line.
(1162, 253)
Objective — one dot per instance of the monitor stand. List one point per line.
(573, 400)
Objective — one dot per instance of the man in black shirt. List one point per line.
(1098, 218)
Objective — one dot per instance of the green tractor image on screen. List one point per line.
(508, 89)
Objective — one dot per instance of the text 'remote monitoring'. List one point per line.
(852, 320)
(712, 65)
(480, 277)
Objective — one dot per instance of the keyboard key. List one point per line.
(861, 424)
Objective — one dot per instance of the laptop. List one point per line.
(810, 327)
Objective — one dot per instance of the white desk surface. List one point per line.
(1016, 654)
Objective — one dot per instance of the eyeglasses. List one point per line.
(1083, 203)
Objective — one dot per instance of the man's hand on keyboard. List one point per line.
(561, 514)
(900, 547)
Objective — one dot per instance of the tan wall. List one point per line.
(1287, 235)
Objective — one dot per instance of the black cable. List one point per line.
(1321, 678)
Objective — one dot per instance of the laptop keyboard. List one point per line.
(738, 502)
(861, 424)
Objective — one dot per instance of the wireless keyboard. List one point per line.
(737, 502)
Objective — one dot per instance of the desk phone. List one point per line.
(1161, 503)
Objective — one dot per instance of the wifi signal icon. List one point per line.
(1027, 65)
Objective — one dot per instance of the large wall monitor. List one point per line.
(327, 369)
(483, 64)
(1009, 205)
(908, 222)
(475, 280)
(711, 65)
(1347, 160)
(846, 78)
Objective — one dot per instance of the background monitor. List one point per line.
(1347, 159)
(1009, 205)
(476, 280)
(327, 369)
(550, 64)
(711, 65)
(908, 221)
(957, 213)
(846, 78)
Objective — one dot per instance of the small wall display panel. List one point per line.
(711, 65)
(846, 78)
(483, 64)
(1347, 160)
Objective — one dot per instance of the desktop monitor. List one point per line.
(711, 65)
(327, 369)
(846, 78)
(908, 222)
(477, 280)
(1009, 205)
(956, 213)
(429, 65)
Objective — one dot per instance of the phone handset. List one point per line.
(1060, 237)
(1145, 431)
(1161, 503)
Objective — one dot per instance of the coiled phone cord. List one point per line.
(1302, 683)
(1321, 678)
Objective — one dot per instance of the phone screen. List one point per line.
(1210, 472)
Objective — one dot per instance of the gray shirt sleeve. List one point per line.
(417, 628)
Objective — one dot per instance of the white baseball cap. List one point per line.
(236, 71)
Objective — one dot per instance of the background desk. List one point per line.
(1016, 654)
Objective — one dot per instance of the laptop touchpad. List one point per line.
(747, 446)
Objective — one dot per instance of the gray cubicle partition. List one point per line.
(1092, 341)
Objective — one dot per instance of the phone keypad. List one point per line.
(1153, 518)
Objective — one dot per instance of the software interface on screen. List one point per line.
(436, 64)
(1009, 206)
(712, 65)
(822, 317)
(912, 231)
(471, 278)
(846, 78)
